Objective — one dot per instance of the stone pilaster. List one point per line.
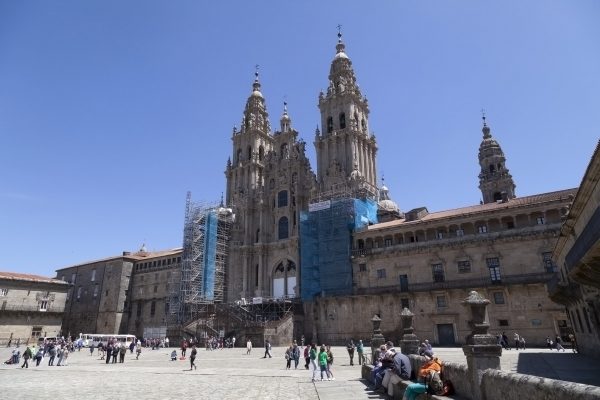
(481, 350)
(409, 343)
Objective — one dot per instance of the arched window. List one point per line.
(283, 228)
(238, 157)
(282, 199)
(342, 120)
(261, 153)
(329, 124)
(284, 151)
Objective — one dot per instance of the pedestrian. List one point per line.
(248, 347)
(109, 350)
(138, 351)
(505, 341)
(296, 354)
(559, 346)
(131, 346)
(174, 355)
(60, 352)
(38, 356)
(350, 347)
(267, 349)
(167, 342)
(516, 338)
(91, 349)
(115, 352)
(26, 356)
(361, 351)
(573, 343)
(548, 342)
(323, 361)
(306, 356)
(101, 350)
(193, 357)
(329, 363)
(288, 357)
(122, 352)
(52, 352)
(233, 341)
(184, 346)
(313, 359)
(522, 342)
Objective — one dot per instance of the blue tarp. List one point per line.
(210, 254)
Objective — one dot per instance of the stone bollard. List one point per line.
(377, 339)
(409, 343)
(481, 350)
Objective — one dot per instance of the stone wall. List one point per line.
(497, 384)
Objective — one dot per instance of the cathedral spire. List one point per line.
(285, 121)
(495, 181)
(255, 113)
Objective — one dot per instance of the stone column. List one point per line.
(481, 350)
(377, 339)
(409, 343)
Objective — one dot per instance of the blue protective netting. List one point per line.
(325, 246)
(210, 254)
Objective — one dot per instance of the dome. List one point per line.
(388, 205)
(256, 93)
(340, 55)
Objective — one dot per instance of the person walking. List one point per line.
(193, 357)
(122, 352)
(573, 341)
(559, 346)
(329, 363)
(138, 351)
(52, 352)
(184, 346)
(522, 342)
(306, 357)
(361, 352)
(323, 361)
(312, 354)
(248, 347)
(267, 349)
(288, 357)
(91, 349)
(26, 356)
(38, 356)
(350, 347)
(548, 342)
(296, 354)
(516, 338)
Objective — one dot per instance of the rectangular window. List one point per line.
(155, 277)
(441, 301)
(482, 229)
(36, 332)
(536, 322)
(493, 264)
(381, 273)
(362, 267)
(502, 322)
(95, 290)
(388, 242)
(44, 305)
(282, 198)
(93, 274)
(3, 292)
(178, 259)
(460, 232)
(498, 297)
(540, 220)
(438, 272)
(404, 303)
(404, 283)
(152, 309)
(73, 278)
(548, 263)
(164, 262)
(464, 266)
(155, 288)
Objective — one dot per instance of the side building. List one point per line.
(120, 294)
(31, 307)
(577, 253)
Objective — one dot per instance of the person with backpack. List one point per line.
(429, 380)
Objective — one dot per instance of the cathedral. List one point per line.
(415, 259)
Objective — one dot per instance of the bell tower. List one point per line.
(495, 181)
(346, 151)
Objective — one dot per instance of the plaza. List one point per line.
(231, 374)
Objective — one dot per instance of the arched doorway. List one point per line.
(284, 279)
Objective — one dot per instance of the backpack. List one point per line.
(434, 383)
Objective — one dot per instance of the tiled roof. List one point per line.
(137, 256)
(483, 208)
(17, 276)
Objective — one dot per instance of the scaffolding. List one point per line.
(326, 240)
(206, 234)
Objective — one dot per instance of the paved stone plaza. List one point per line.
(231, 374)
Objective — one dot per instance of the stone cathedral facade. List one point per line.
(425, 261)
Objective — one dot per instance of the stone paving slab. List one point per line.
(231, 374)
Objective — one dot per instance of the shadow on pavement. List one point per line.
(566, 366)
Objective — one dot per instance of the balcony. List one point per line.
(521, 279)
(562, 292)
(20, 308)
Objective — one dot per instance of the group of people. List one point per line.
(351, 347)
(56, 350)
(390, 365)
(519, 341)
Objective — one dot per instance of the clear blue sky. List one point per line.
(110, 111)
